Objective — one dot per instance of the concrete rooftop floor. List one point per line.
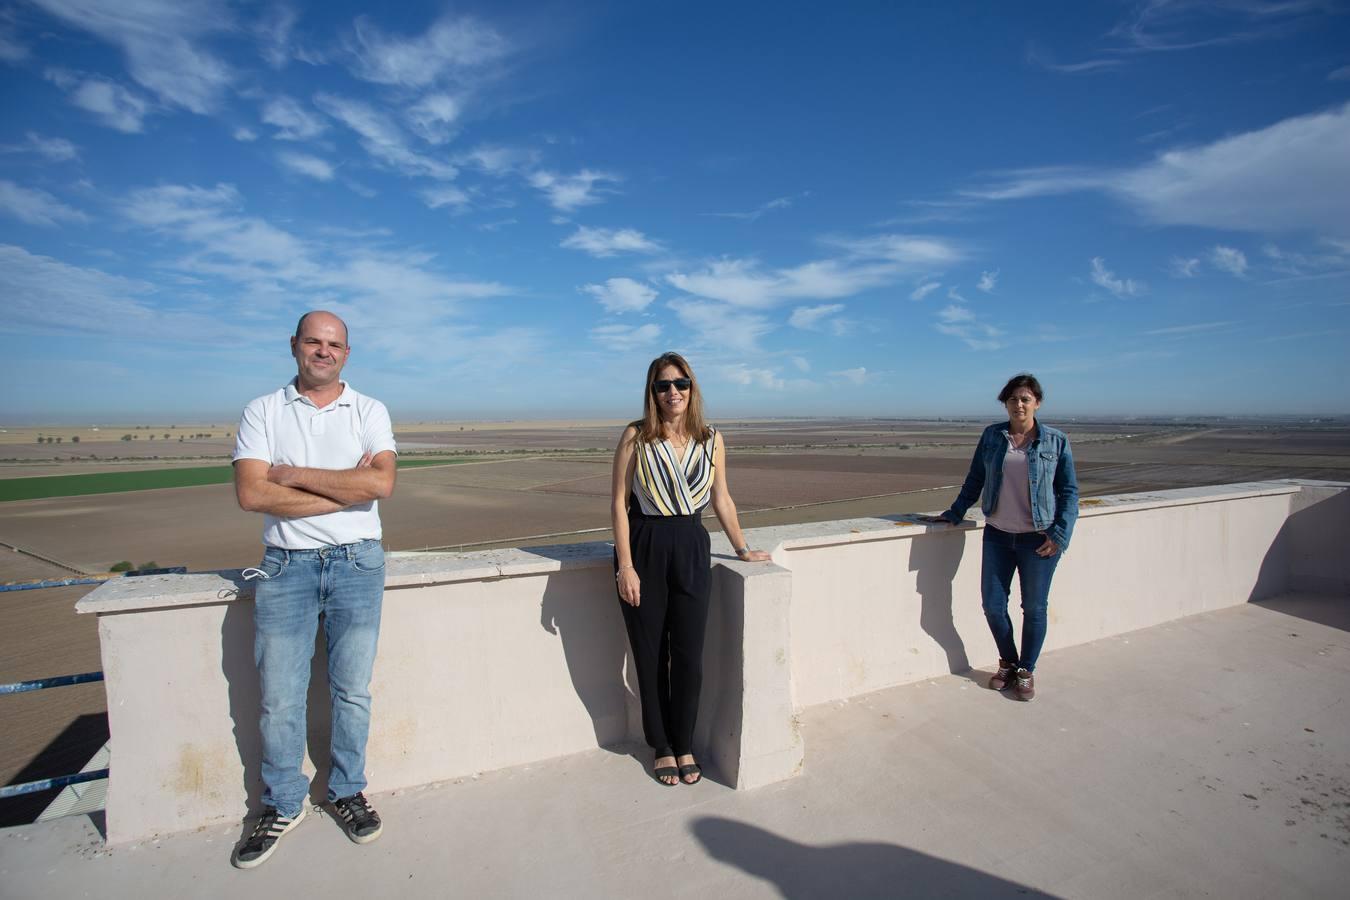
(1208, 757)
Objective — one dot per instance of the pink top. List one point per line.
(1012, 510)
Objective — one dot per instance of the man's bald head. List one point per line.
(300, 325)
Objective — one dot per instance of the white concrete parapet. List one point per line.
(499, 658)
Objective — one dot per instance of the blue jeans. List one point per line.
(345, 584)
(1005, 552)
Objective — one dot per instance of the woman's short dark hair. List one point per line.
(1021, 380)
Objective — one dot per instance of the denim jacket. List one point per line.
(1054, 485)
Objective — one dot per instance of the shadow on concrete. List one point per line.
(590, 626)
(245, 698)
(854, 870)
(1308, 552)
(934, 560)
(65, 754)
(1334, 612)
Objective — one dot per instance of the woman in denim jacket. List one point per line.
(1023, 474)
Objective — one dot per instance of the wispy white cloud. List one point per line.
(736, 281)
(245, 135)
(903, 249)
(1172, 25)
(160, 41)
(925, 211)
(962, 323)
(603, 242)
(868, 263)
(112, 104)
(445, 195)
(811, 318)
(758, 211)
(1229, 259)
(988, 281)
(625, 337)
(1184, 330)
(1105, 278)
(309, 166)
(750, 376)
(954, 294)
(36, 207)
(273, 32)
(720, 326)
(449, 47)
(1341, 74)
(49, 148)
(1039, 58)
(569, 192)
(433, 117)
(1330, 254)
(857, 375)
(498, 160)
(1041, 181)
(45, 295)
(12, 50)
(621, 295)
(1288, 176)
(1184, 267)
(383, 139)
(1291, 175)
(924, 290)
(292, 121)
(388, 294)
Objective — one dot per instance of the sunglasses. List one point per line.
(665, 384)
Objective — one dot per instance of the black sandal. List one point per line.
(666, 772)
(691, 769)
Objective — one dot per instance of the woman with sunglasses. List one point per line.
(669, 466)
(1023, 475)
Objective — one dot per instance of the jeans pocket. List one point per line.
(273, 564)
(369, 560)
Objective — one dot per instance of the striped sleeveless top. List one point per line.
(666, 484)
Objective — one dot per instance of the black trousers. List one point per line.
(666, 628)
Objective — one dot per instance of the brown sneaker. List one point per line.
(1026, 685)
(1003, 678)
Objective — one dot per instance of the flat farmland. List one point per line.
(779, 471)
(550, 485)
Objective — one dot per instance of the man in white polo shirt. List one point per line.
(315, 458)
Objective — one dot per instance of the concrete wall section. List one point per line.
(1314, 539)
(500, 658)
(478, 669)
(871, 614)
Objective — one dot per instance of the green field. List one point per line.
(146, 480)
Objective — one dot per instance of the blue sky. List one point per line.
(865, 210)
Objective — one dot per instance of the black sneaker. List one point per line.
(260, 844)
(359, 820)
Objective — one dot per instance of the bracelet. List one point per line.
(741, 551)
(620, 569)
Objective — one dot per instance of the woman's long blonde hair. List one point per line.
(649, 426)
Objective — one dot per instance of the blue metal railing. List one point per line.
(39, 684)
(90, 579)
(47, 784)
(22, 687)
(61, 582)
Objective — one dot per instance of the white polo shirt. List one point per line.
(286, 428)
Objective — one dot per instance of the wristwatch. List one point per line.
(741, 551)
